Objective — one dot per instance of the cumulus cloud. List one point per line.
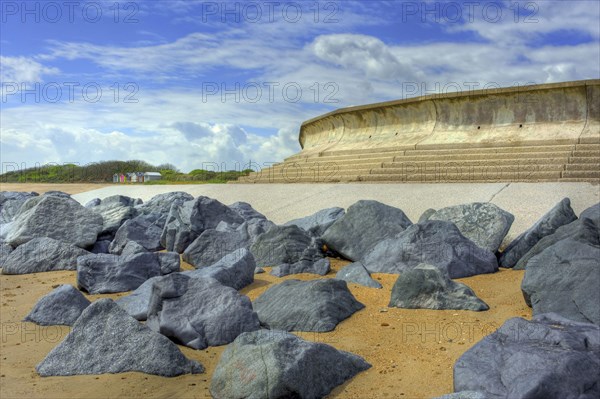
(23, 70)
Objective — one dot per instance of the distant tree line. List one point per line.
(102, 172)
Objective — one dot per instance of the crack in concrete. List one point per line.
(499, 191)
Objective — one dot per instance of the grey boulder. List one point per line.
(427, 287)
(161, 204)
(60, 218)
(592, 213)
(132, 248)
(320, 267)
(107, 273)
(560, 215)
(188, 220)
(42, 255)
(564, 279)
(356, 273)
(115, 211)
(61, 306)
(426, 215)
(246, 211)
(93, 202)
(547, 357)
(285, 244)
(105, 339)
(364, 225)
(101, 247)
(435, 242)
(582, 230)
(10, 203)
(136, 303)
(316, 305)
(199, 312)
(277, 364)
(235, 270)
(318, 222)
(212, 245)
(144, 229)
(5, 250)
(483, 223)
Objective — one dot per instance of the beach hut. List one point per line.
(116, 178)
(150, 176)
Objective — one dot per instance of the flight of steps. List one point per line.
(573, 162)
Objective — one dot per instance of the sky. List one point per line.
(226, 85)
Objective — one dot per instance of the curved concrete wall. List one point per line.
(566, 112)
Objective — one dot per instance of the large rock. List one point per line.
(436, 242)
(10, 203)
(235, 270)
(583, 230)
(364, 225)
(548, 357)
(105, 339)
(161, 204)
(188, 220)
(318, 222)
(115, 210)
(483, 223)
(106, 273)
(62, 306)
(60, 218)
(42, 255)
(212, 245)
(5, 250)
(427, 287)
(592, 213)
(316, 305)
(357, 274)
(277, 364)
(144, 229)
(246, 211)
(285, 244)
(560, 215)
(320, 267)
(564, 279)
(199, 312)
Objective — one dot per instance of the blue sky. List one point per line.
(222, 84)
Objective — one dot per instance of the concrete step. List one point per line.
(591, 160)
(586, 153)
(494, 150)
(474, 157)
(465, 169)
(466, 177)
(583, 174)
(480, 162)
(582, 166)
(590, 147)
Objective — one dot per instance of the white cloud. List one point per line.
(23, 70)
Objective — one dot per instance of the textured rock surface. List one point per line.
(199, 312)
(435, 242)
(143, 229)
(60, 218)
(427, 287)
(318, 222)
(285, 244)
(136, 303)
(426, 215)
(115, 211)
(132, 248)
(235, 270)
(105, 339)
(42, 255)
(212, 245)
(246, 211)
(356, 273)
(364, 225)
(583, 230)
(560, 215)
(62, 306)
(188, 220)
(548, 357)
(483, 223)
(592, 213)
(290, 367)
(464, 395)
(160, 204)
(168, 262)
(10, 203)
(5, 250)
(316, 305)
(106, 273)
(564, 279)
(320, 267)
(100, 247)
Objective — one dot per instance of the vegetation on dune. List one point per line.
(102, 172)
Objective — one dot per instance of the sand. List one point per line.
(412, 351)
(40, 188)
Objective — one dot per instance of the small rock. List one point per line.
(356, 273)
(61, 306)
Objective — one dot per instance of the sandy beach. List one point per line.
(412, 351)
